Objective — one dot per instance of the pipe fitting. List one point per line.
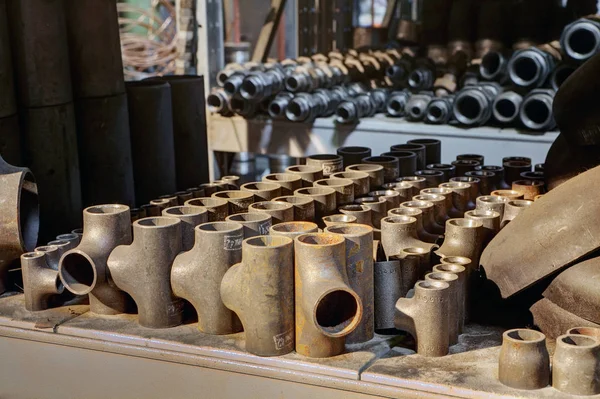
(329, 163)
(218, 102)
(463, 166)
(536, 110)
(280, 212)
(338, 219)
(499, 173)
(279, 104)
(360, 182)
(396, 103)
(293, 229)
(259, 85)
(327, 309)
(196, 275)
(508, 194)
(524, 362)
(474, 190)
(352, 109)
(428, 215)
(576, 365)
(376, 173)
(255, 224)
(486, 181)
(303, 207)
(439, 206)
(417, 214)
(587, 331)
(456, 295)
(243, 107)
(392, 197)
(417, 182)
(40, 281)
(433, 149)
(513, 209)
(448, 170)
(378, 207)
(234, 82)
(288, 182)
(190, 217)
(359, 267)
(560, 74)
(362, 213)
(308, 173)
(414, 263)
(387, 288)
(217, 208)
(260, 290)
(493, 67)
(530, 68)
(422, 77)
(416, 106)
(461, 287)
(399, 232)
(404, 189)
(344, 189)
(425, 317)
(439, 110)
(84, 270)
(461, 198)
(262, 191)
(390, 167)
(464, 238)
(473, 104)
(305, 107)
(580, 40)
(448, 196)
(529, 188)
(353, 155)
(143, 270)
(324, 200)
(238, 201)
(407, 161)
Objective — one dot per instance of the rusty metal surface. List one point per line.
(238, 200)
(417, 214)
(255, 224)
(529, 188)
(495, 203)
(105, 156)
(390, 167)
(378, 207)
(399, 232)
(576, 290)
(19, 219)
(376, 173)
(327, 309)
(324, 200)
(41, 55)
(287, 181)
(190, 216)
(218, 208)
(50, 151)
(308, 173)
(196, 275)
(94, 48)
(361, 181)
(362, 213)
(425, 317)
(428, 215)
(456, 297)
(338, 219)
(554, 320)
(260, 290)
(513, 209)
(461, 198)
(143, 270)
(293, 229)
(344, 189)
(391, 197)
(491, 223)
(576, 364)
(524, 362)
(329, 163)
(262, 191)
(40, 281)
(359, 267)
(280, 212)
(464, 238)
(304, 207)
(83, 270)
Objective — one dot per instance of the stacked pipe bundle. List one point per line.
(470, 74)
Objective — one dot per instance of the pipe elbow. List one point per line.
(233, 289)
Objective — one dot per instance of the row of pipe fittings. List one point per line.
(318, 240)
(524, 362)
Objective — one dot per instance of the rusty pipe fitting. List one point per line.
(360, 182)
(255, 224)
(260, 290)
(508, 194)
(378, 207)
(303, 207)
(390, 166)
(362, 213)
(536, 110)
(425, 317)
(329, 163)
(464, 238)
(353, 155)
(327, 309)
(474, 189)
(238, 200)
(359, 267)
(513, 209)
(83, 270)
(491, 223)
(376, 173)
(40, 281)
(308, 173)
(392, 197)
(448, 196)
(288, 182)
(428, 215)
(190, 216)
(19, 219)
(413, 264)
(217, 208)
(399, 232)
(262, 191)
(528, 188)
(196, 275)
(439, 205)
(404, 189)
(524, 362)
(211, 188)
(461, 198)
(417, 214)
(417, 182)
(280, 212)
(324, 200)
(456, 295)
(338, 219)
(293, 229)
(486, 181)
(143, 270)
(344, 189)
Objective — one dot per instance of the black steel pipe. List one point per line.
(433, 149)
(152, 143)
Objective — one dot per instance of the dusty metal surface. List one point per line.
(327, 309)
(461, 198)
(293, 229)
(362, 213)
(554, 320)
(84, 270)
(399, 232)
(387, 289)
(456, 302)
(280, 212)
(576, 290)
(217, 208)
(143, 270)
(390, 166)
(19, 219)
(262, 191)
(344, 189)
(329, 163)
(429, 222)
(304, 207)
(324, 200)
(338, 219)
(288, 182)
(260, 290)
(576, 365)
(255, 224)
(190, 216)
(464, 238)
(308, 173)
(416, 213)
(238, 200)
(196, 274)
(378, 207)
(376, 173)
(524, 362)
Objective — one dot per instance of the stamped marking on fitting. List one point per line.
(284, 339)
(426, 298)
(233, 243)
(263, 228)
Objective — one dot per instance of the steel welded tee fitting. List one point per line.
(399, 232)
(327, 309)
(425, 317)
(197, 274)
(464, 237)
(19, 219)
(83, 270)
(260, 290)
(143, 270)
(40, 281)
